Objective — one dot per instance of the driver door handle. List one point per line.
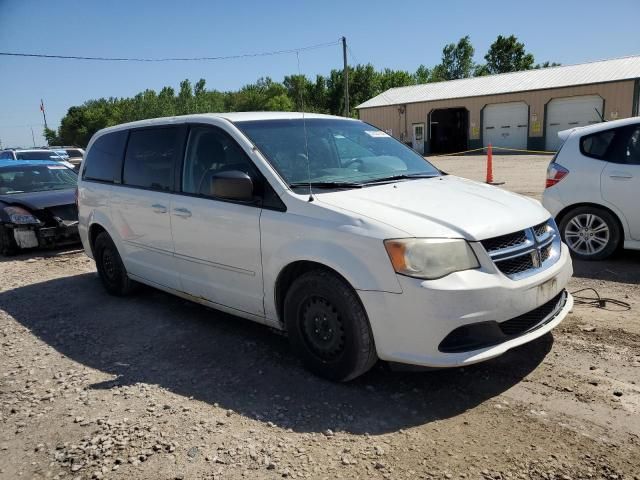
(182, 212)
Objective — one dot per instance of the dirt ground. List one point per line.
(154, 387)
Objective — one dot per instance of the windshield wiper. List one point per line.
(403, 176)
(327, 185)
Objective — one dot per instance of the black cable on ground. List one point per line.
(598, 301)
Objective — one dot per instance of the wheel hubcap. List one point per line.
(587, 234)
(322, 328)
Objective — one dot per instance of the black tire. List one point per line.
(110, 267)
(606, 239)
(7, 245)
(328, 327)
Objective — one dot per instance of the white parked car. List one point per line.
(35, 154)
(593, 188)
(326, 228)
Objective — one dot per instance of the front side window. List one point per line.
(150, 156)
(25, 179)
(333, 151)
(211, 151)
(104, 159)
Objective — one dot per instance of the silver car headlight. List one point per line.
(430, 258)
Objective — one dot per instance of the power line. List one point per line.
(173, 59)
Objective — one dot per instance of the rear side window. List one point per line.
(104, 159)
(150, 158)
(597, 145)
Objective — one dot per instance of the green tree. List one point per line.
(457, 61)
(422, 75)
(507, 54)
(52, 137)
(547, 64)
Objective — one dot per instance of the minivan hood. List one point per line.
(446, 206)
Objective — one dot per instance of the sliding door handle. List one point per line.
(182, 212)
(159, 208)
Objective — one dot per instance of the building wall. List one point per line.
(618, 103)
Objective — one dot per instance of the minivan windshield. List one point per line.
(334, 152)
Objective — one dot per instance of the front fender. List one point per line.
(361, 260)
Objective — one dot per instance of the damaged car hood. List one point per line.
(445, 206)
(40, 200)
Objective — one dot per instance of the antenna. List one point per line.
(304, 128)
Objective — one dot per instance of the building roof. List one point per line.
(601, 71)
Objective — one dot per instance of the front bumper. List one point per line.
(410, 327)
(33, 236)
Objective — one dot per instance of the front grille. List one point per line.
(526, 252)
(487, 334)
(525, 322)
(546, 252)
(515, 265)
(504, 241)
(541, 229)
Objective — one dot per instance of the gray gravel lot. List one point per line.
(154, 387)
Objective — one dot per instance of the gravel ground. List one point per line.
(154, 387)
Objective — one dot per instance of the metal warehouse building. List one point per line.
(522, 110)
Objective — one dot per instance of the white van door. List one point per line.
(217, 242)
(140, 207)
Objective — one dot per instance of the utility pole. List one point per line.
(345, 76)
(44, 115)
(33, 138)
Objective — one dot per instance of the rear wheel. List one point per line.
(111, 270)
(591, 233)
(328, 327)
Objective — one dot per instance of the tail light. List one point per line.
(555, 173)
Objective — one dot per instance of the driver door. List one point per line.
(217, 241)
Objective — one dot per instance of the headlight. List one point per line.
(430, 258)
(20, 216)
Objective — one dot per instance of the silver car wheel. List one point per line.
(587, 234)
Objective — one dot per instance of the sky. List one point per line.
(395, 34)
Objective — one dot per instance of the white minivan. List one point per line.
(326, 228)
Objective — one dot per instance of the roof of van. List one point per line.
(230, 116)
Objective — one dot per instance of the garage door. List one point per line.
(505, 124)
(570, 112)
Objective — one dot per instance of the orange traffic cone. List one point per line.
(489, 178)
(489, 164)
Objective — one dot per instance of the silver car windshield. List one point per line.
(334, 151)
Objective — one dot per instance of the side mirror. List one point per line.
(232, 185)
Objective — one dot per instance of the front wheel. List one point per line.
(110, 268)
(328, 327)
(591, 233)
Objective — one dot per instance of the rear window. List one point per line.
(104, 159)
(149, 161)
(597, 145)
(37, 155)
